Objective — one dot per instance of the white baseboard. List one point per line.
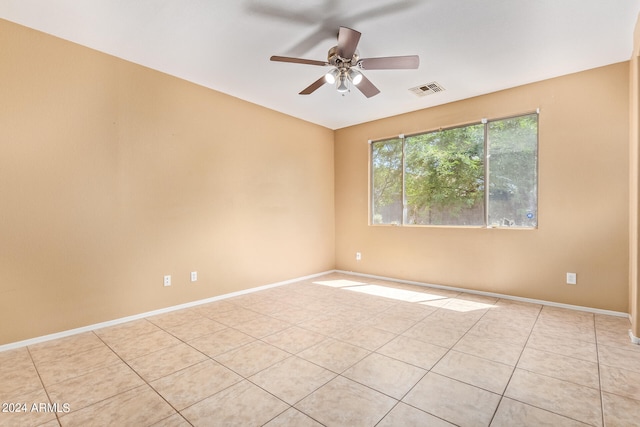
(493, 294)
(114, 322)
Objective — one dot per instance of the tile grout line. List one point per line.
(595, 333)
(208, 358)
(548, 376)
(451, 348)
(270, 315)
(244, 378)
(436, 362)
(515, 366)
(44, 388)
(140, 376)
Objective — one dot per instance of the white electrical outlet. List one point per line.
(358, 256)
(194, 276)
(572, 278)
(167, 280)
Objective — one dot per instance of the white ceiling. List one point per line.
(470, 47)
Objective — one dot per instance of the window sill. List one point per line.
(471, 227)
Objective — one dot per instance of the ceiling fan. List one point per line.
(345, 60)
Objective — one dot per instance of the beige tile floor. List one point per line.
(337, 350)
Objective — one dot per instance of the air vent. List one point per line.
(427, 89)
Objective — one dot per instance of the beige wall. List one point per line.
(583, 199)
(634, 182)
(113, 175)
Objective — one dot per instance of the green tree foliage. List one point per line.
(444, 176)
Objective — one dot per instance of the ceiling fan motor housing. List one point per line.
(337, 61)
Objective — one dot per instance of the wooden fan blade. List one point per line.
(347, 42)
(390, 63)
(298, 60)
(313, 86)
(367, 88)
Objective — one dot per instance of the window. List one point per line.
(445, 178)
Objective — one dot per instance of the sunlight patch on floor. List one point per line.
(466, 305)
(339, 283)
(399, 294)
(395, 293)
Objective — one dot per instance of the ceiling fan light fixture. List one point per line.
(355, 76)
(342, 84)
(330, 77)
